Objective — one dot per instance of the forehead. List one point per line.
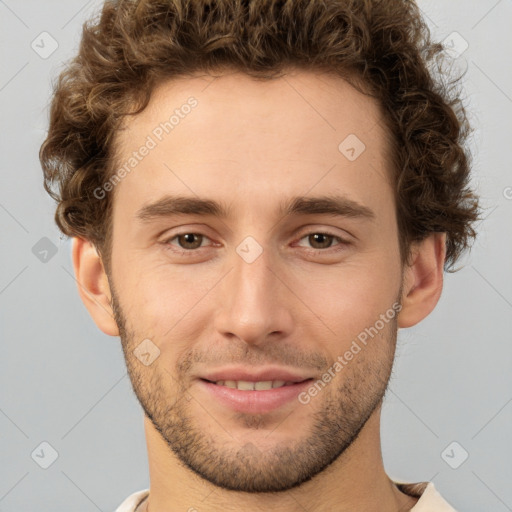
(325, 100)
(236, 137)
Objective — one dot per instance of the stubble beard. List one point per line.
(339, 413)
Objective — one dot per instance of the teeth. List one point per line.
(245, 385)
(267, 384)
(251, 386)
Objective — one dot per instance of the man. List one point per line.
(260, 194)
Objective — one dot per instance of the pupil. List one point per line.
(189, 239)
(321, 235)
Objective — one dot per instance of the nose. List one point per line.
(254, 301)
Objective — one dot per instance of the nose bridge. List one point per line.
(252, 305)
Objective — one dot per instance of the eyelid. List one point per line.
(341, 241)
(184, 229)
(168, 240)
(344, 235)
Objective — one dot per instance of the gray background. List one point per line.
(64, 382)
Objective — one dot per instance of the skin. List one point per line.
(251, 145)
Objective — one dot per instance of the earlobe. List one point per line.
(93, 285)
(423, 280)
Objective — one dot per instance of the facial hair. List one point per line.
(341, 410)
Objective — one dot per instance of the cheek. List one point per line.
(351, 299)
(164, 303)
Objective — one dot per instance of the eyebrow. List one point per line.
(170, 205)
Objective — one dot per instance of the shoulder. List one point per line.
(429, 498)
(132, 501)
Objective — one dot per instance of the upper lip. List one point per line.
(254, 375)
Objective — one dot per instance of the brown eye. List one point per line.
(320, 240)
(322, 243)
(189, 240)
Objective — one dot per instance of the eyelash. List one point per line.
(192, 252)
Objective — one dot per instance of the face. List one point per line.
(301, 273)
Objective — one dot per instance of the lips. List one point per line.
(254, 390)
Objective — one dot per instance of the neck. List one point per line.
(355, 481)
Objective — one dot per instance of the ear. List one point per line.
(423, 279)
(93, 285)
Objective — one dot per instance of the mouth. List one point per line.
(253, 397)
(246, 385)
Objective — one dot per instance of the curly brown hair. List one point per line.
(381, 46)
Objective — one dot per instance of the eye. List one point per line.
(187, 241)
(320, 240)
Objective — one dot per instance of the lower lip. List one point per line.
(255, 402)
